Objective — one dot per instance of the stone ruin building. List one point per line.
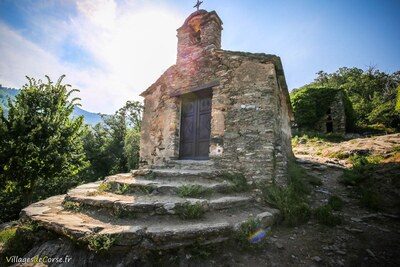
(334, 119)
(215, 124)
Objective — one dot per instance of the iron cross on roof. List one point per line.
(198, 4)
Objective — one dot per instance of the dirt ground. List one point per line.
(365, 238)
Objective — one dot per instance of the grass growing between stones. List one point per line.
(191, 190)
(99, 243)
(123, 189)
(290, 200)
(72, 206)
(190, 211)
(238, 182)
(103, 188)
(120, 212)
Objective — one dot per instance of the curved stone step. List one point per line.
(151, 233)
(153, 204)
(186, 175)
(140, 185)
(187, 165)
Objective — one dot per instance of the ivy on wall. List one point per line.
(311, 102)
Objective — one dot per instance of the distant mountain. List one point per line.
(89, 117)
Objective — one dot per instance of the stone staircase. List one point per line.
(169, 207)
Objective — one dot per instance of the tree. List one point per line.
(40, 141)
(113, 146)
(371, 92)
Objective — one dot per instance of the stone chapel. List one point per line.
(230, 108)
(214, 124)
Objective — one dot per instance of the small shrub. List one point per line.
(193, 190)
(189, 211)
(336, 203)
(72, 206)
(238, 182)
(100, 242)
(325, 215)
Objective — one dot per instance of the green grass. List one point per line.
(310, 136)
(335, 202)
(189, 211)
(193, 190)
(291, 200)
(101, 189)
(72, 206)
(326, 216)
(104, 187)
(294, 208)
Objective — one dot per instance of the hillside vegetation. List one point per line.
(372, 99)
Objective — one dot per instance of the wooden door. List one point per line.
(195, 126)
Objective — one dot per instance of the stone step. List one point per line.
(158, 232)
(188, 165)
(141, 185)
(131, 205)
(186, 175)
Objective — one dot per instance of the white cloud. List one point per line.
(132, 45)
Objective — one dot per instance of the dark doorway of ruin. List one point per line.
(329, 123)
(195, 125)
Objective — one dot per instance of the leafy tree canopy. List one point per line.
(39, 140)
(371, 97)
(372, 93)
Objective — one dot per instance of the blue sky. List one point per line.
(114, 49)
